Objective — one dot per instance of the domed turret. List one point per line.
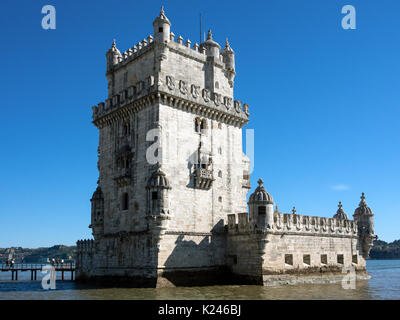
(113, 56)
(97, 217)
(261, 207)
(162, 27)
(211, 46)
(261, 195)
(157, 201)
(364, 217)
(98, 194)
(340, 215)
(363, 209)
(158, 180)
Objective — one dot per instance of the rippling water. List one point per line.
(384, 284)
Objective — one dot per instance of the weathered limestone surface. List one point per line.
(173, 178)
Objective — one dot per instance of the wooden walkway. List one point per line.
(34, 268)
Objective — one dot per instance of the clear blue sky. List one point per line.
(324, 104)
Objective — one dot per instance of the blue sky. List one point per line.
(324, 104)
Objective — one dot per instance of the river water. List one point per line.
(384, 284)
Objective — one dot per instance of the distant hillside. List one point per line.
(38, 255)
(384, 250)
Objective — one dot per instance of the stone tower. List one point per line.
(170, 206)
(170, 162)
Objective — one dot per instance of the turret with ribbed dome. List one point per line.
(261, 195)
(158, 180)
(364, 217)
(261, 207)
(340, 214)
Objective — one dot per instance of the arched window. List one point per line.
(216, 85)
(125, 201)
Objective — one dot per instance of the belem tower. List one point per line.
(171, 203)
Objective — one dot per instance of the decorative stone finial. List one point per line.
(260, 182)
(340, 205)
(162, 17)
(113, 44)
(294, 210)
(209, 35)
(276, 209)
(362, 197)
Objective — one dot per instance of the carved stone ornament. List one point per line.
(206, 95)
(195, 90)
(217, 99)
(238, 106)
(183, 87)
(246, 109)
(170, 82)
(228, 102)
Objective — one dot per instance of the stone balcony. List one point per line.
(123, 177)
(203, 178)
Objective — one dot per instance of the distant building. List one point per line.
(177, 214)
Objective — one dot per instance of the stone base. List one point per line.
(218, 276)
(165, 278)
(273, 280)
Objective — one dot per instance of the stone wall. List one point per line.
(295, 245)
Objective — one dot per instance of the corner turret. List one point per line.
(162, 28)
(157, 200)
(364, 217)
(212, 47)
(113, 56)
(229, 59)
(261, 207)
(97, 219)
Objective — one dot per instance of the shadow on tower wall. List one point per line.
(197, 263)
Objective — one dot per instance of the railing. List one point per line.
(34, 268)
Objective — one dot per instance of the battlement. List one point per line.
(195, 52)
(294, 223)
(133, 53)
(85, 246)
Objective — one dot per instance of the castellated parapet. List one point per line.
(171, 204)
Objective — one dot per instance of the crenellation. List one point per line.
(180, 40)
